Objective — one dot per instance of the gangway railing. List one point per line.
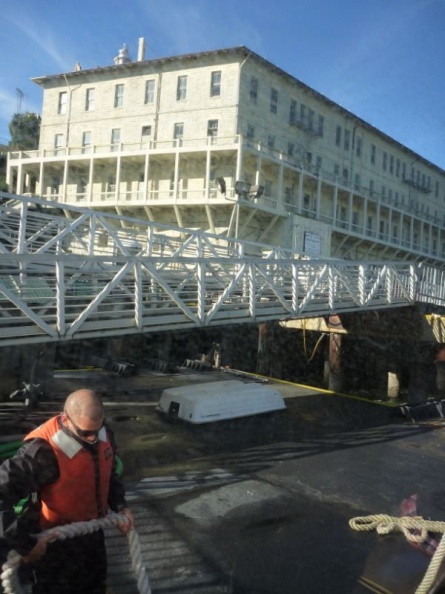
(59, 281)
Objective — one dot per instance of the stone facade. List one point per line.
(153, 139)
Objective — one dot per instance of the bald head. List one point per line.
(84, 405)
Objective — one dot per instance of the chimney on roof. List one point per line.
(123, 56)
(141, 49)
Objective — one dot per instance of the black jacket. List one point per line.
(22, 476)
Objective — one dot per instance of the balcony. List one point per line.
(140, 147)
(409, 181)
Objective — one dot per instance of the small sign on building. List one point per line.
(312, 244)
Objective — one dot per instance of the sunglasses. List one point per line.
(84, 432)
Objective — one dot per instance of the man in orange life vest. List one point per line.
(68, 464)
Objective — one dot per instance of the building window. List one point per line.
(145, 134)
(89, 99)
(373, 152)
(303, 113)
(293, 112)
(291, 149)
(61, 106)
(58, 144)
(55, 186)
(253, 90)
(250, 135)
(146, 131)
(83, 185)
(149, 91)
(347, 139)
(212, 128)
(385, 160)
(321, 125)
(119, 96)
(273, 101)
(310, 119)
(181, 88)
(318, 163)
(338, 136)
(397, 167)
(115, 139)
(178, 131)
(86, 142)
(358, 146)
(271, 141)
(215, 84)
(391, 164)
(288, 195)
(371, 187)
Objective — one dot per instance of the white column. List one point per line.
(300, 193)
(207, 174)
(146, 173)
(318, 205)
(90, 180)
(65, 180)
(118, 179)
(176, 177)
(280, 184)
(335, 206)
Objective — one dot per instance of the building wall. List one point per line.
(315, 160)
(194, 111)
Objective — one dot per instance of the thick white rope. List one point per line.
(9, 576)
(415, 529)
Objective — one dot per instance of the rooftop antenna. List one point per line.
(20, 94)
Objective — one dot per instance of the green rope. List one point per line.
(10, 448)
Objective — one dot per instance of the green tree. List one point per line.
(3, 185)
(24, 129)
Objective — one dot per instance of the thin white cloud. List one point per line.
(196, 26)
(43, 38)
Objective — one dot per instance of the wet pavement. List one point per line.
(274, 519)
(261, 505)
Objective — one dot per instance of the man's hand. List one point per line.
(128, 524)
(40, 548)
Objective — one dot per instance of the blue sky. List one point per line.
(383, 60)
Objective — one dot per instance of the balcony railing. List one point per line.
(140, 146)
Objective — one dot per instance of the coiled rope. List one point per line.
(415, 529)
(9, 576)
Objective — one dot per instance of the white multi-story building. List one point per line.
(228, 142)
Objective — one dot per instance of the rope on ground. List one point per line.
(10, 578)
(415, 529)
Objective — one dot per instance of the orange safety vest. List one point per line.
(74, 497)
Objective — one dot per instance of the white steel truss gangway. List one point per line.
(68, 273)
